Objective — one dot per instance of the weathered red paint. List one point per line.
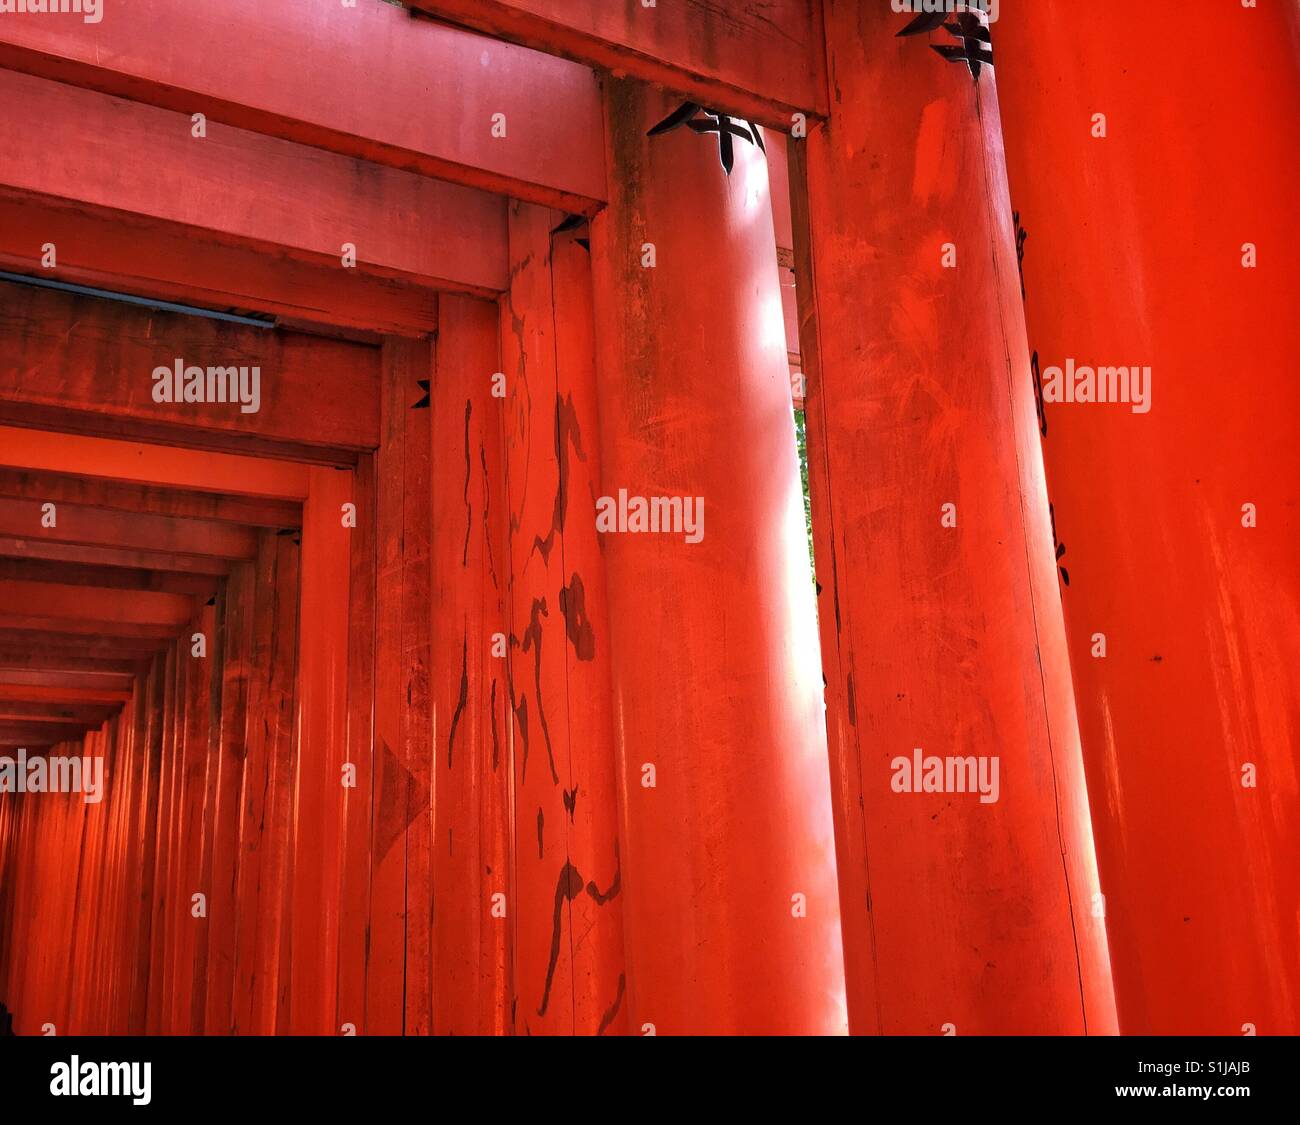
(596, 916)
(416, 703)
(1135, 255)
(302, 72)
(545, 882)
(714, 651)
(48, 599)
(79, 524)
(567, 909)
(166, 261)
(321, 750)
(761, 60)
(226, 781)
(470, 747)
(503, 675)
(190, 916)
(125, 460)
(245, 189)
(386, 949)
(60, 488)
(354, 893)
(947, 638)
(264, 819)
(88, 363)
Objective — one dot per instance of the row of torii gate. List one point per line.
(1075, 589)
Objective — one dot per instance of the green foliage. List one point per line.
(801, 436)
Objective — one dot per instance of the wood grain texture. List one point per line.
(760, 59)
(279, 71)
(245, 189)
(949, 639)
(569, 924)
(471, 749)
(93, 358)
(168, 261)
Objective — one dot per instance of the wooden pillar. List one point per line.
(160, 929)
(261, 963)
(80, 946)
(106, 1006)
(10, 861)
(941, 625)
(398, 977)
(728, 871)
(599, 965)
(236, 640)
(417, 717)
(1156, 192)
(471, 737)
(147, 827)
(81, 857)
(386, 955)
(191, 930)
(321, 751)
(354, 900)
(569, 955)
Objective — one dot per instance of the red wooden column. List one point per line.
(716, 673)
(262, 964)
(358, 797)
(940, 620)
(386, 950)
(161, 934)
(1169, 243)
(196, 711)
(569, 955)
(545, 885)
(470, 699)
(319, 794)
(120, 904)
(84, 864)
(226, 779)
(147, 828)
(398, 971)
(599, 965)
(10, 927)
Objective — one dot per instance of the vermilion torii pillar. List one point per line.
(568, 954)
(1154, 170)
(728, 877)
(473, 899)
(968, 896)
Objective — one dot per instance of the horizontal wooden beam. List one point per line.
(364, 80)
(42, 740)
(69, 359)
(759, 59)
(85, 626)
(69, 488)
(154, 259)
(197, 586)
(61, 660)
(114, 459)
(246, 189)
(18, 548)
(74, 696)
(134, 607)
(102, 648)
(90, 714)
(50, 677)
(88, 526)
(45, 734)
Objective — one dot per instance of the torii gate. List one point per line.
(600, 760)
